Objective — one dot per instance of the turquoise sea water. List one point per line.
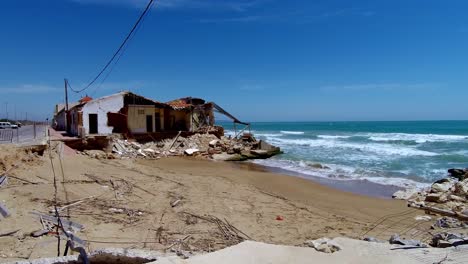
(396, 153)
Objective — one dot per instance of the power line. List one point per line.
(148, 6)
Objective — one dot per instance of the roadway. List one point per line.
(26, 135)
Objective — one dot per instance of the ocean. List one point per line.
(404, 154)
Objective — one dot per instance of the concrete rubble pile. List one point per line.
(447, 197)
(202, 145)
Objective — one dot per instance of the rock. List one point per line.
(190, 152)
(441, 187)
(324, 245)
(436, 197)
(396, 240)
(458, 173)
(461, 188)
(319, 166)
(40, 233)
(404, 194)
(229, 157)
(213, 143)
(456, 198)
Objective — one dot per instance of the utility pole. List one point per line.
(66, 94)
(66, 104)
(6, 109)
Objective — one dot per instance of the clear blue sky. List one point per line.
(263, 60)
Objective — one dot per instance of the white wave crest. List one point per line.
(418, 138)
(338, 172)
(371, 148)
(292, 132)
(332, 137)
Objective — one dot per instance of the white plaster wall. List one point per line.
(101, 107)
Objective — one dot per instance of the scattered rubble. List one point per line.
(203, 145)
(446, 239)
(396, 240)
(324, 245)
(447, 197)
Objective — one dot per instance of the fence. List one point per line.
(6, 135)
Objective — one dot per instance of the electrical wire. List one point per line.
(135, 26)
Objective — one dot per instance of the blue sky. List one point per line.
(263, 60)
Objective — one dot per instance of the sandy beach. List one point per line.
(150, 204)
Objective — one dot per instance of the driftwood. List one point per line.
(439, 211)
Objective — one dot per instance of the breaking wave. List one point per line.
(293, 132)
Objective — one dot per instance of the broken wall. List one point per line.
(101, 107)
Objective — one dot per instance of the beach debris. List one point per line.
(9, 233)
(40, 233)
(422, 218)
(4, 210)
(373, 239)
(49, 220)
(279, 218)
(175, 203)
(191, 151)
(396, 240)
(449, 222)
(3, 180)
(324, 245)
(447, 239)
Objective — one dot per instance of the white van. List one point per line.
(4, 125)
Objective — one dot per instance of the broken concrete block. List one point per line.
(324, 245)
(190, 152)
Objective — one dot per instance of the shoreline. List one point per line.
(360, 187)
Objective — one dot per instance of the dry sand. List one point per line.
(250, 200)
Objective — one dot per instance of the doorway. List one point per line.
(149, 123)
(93, 123)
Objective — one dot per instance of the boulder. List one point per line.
(436, 197)
(456, 198)
(461, 188)
(319, 166)
(404, 194)
(228, 157)
(324, 245)
(441, 187)
(458, 173)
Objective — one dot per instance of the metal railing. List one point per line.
(6, 135)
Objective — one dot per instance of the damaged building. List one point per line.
(134, 116)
